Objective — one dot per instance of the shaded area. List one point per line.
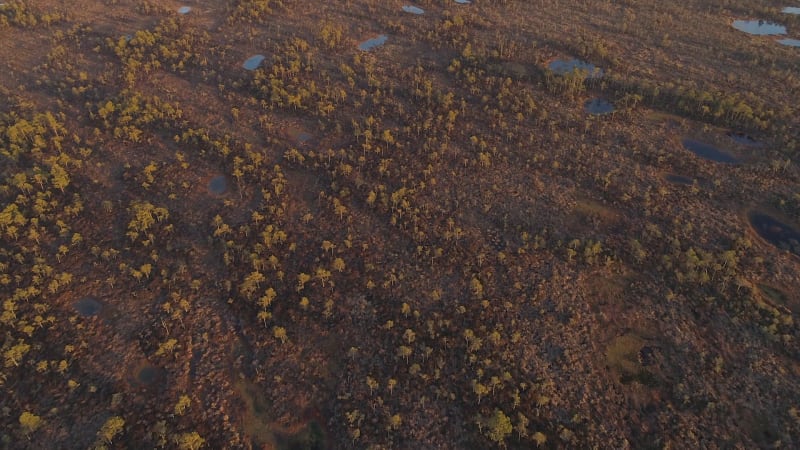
(779, 297)
(708, 151)
(742, 138)
(627, 356)
(255, 417)
(218, 185)
(759, 27)
(311, 437)
(88, 307)
(775, 232)
(679, 179)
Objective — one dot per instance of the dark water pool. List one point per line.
(708, 151)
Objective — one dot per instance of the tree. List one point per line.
(280, 334)
(405, 352)
(113, 426)
(30, 422)
(498, 426)
(395, 422)
(189, 441)
(479, 389)
(60, 177)
(183, 403)
(14, 355)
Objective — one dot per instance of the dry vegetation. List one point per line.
(427, 245)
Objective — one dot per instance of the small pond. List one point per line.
(790, 42)
(375, 42)
(759, 27)
(598, 106)
(792, 10)
(413, 10)
(463, 2)
(88, 307)
(218, 185)
(566, 66)
(253, 62)
(776, 232)
(184, 9)
(708, 151)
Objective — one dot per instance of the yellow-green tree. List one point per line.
(30, 422)
(189, 441)
(113, 426)
(497, 426)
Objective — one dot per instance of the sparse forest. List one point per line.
(288, 224)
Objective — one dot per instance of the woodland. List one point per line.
(296, 224)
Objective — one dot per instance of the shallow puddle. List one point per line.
(775, 232)
(218, 185)
(184, 9)
(413, 10)
(88, 307)
(790, 42)
(370, 44)
(759, 27)
(792, 10)
(708, 151)
(564, 66)
(253, 62)
(598, 106)
(463, 2)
